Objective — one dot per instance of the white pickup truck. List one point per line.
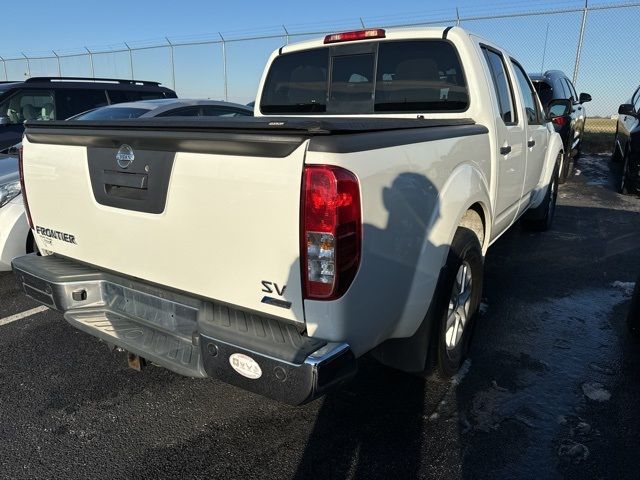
(351, 215)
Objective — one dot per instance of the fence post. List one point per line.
(4, 64)
(28, 65)
(93, 72)
(286, 32)
(173, 67)
(58, 58)
(457, 17)
(224, 67)
(544, 50)
(130, 58)
(580, 41)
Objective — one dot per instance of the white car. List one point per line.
(350, 215)
(15, 236)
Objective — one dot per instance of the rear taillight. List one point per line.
(331, 234)
(24, 190)
(560, 121)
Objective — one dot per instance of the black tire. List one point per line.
(623, 186)
(633, 318)
(444, 359)
(565, 170)
(616, 156)
(540, 218)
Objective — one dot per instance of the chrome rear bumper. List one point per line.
(188, 335)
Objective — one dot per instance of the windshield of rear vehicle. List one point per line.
(112, 113)
(407, 76)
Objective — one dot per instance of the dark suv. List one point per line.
(626, 148)
(54, 98)
(562, 103)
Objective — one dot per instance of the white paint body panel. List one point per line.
(14, 230)
(230, 222)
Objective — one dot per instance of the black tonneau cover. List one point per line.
(256, 136)
(273, 125)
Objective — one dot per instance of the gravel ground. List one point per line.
(550, 390)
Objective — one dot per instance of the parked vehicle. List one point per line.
(626, 148)
(15, 236)
(351, 215)
(559, 98)
(167, 108)
(53, 98)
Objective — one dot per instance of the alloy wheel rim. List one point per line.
(459, 307)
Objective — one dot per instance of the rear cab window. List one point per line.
(502, 87)
(414, 76)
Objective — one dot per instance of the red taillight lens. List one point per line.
(24, 191)
(560, 121)
(331, 234)
(355, 35)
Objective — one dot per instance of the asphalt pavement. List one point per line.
(550, 390)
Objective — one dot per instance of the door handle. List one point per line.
(531, 143)
(505, 150)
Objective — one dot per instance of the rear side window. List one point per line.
(572, 91)
(112, 113)
(28, 105)
(528, 95)
(418, 76)
(73, 101)
(193, 111)
(501, 85)
(213, 111)
(121, 96)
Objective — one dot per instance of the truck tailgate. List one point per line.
(215, 215)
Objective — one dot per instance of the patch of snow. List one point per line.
(595, 391)
(626, 287)
(458, 377)
(577, 172)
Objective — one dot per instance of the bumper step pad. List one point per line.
(170, 351)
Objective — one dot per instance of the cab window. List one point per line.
(29, 105)
(528, 95)
(501, 84)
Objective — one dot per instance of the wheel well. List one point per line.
(31, 242)
(474, 220)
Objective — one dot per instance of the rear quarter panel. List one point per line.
(413, 197)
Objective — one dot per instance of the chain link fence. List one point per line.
(595, 45)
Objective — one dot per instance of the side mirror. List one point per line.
(627, 109)
(584, 98)
(4, 121)
(558, 108)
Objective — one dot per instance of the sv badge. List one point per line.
(270, 287)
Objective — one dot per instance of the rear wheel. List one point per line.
(623, 187)
(565, 168)
(541, 217)
(457, 300)
(616, 156)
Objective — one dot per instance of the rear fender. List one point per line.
(554, 149)
(465, 187)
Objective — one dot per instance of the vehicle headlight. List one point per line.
(9, 191)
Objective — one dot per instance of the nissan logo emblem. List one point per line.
(125, 156)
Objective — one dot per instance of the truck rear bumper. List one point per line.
(188, 335)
